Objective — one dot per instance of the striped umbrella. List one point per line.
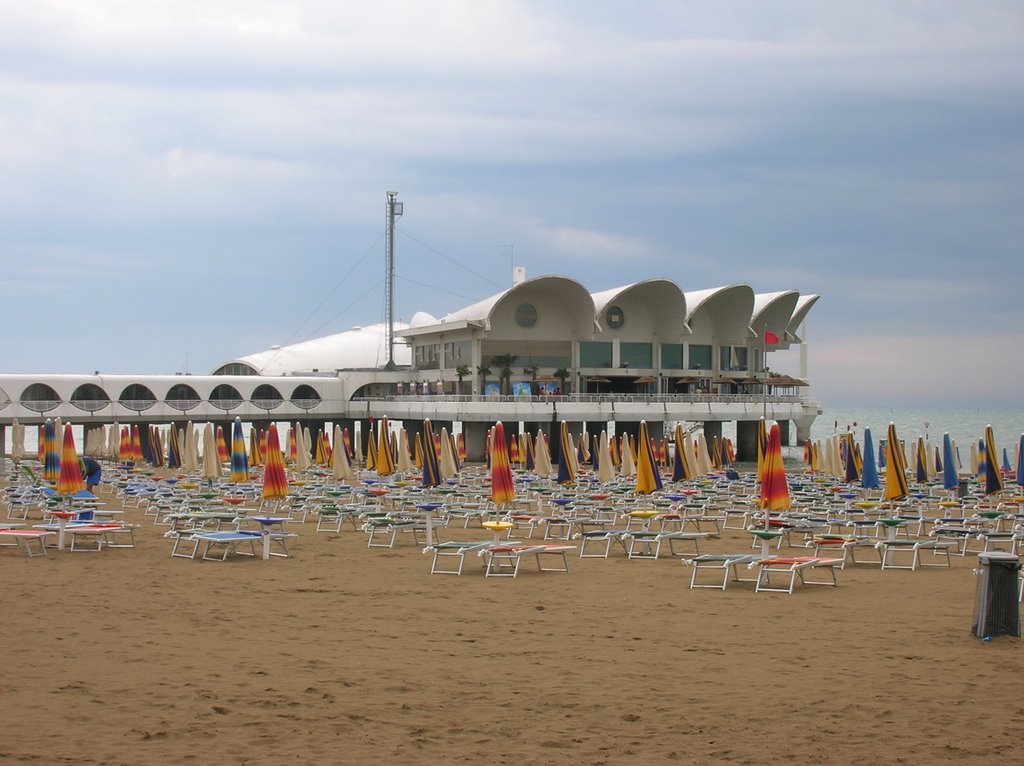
(503, 489)
(648, 479)
(69, 480)
(774, 487)
(762, 445)
(895, 470)
(681, 469)
(431, 469)
(513, 449)
(223, 454)
(320, 456)
(239, 457)
(566, 466)
(993, 477)
(51, 453)
(275, 482)
(385, 457)
(173, 448)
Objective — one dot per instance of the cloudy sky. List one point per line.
(187, 182)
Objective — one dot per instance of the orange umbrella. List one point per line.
(136, 445)
(774, 488)
(275, 482)
(503, 488)
(70, 480)
(462, 446)
(762, 446)
(648, 479)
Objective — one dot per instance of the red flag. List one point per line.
(771, 338)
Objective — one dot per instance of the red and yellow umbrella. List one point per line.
(762, 446)
(70, 479)
(462, 446)
(275, 482)
(503, 489)
(223, 455)
(648, 479)
(774, 487)
(255, 453)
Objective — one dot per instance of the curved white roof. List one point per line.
(660, 298)
(358, 348)
(773, 311)
(724, 312)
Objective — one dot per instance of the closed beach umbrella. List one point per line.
(681, 470)
(173, 448)
(648, 479)
(605, 469)
(190, 459)
(449, 464)
(920, 462)
(211, 460)
(503, 490)
(869, 475)
(275, 482)
(341, 469)
(993, 478)
(17, 441)
(566, 465)
(51, 453)
(136, 444)
(70, 480)
(385, 458)
(1020, 461)
(950, 480)
(239, 457)
(895, 472)
(543, 456)
(529, 461)
(762, 445)
(851, 473)
(431, 469)
(404, 464)
(628, 468)
(255, 453)
(223, 454)
(774, 487)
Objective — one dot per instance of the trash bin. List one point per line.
(997, 602)
(965, 488)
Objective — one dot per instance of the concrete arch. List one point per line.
(772, 312)
(720, 315)
(563, 306)
(654, 307)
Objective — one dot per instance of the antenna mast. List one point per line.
(394, 213)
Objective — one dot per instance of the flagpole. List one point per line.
(764, 366)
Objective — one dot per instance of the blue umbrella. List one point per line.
(869, 474)
(1020, 461)
(1006, 461)
(949, 478)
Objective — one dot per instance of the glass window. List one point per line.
(595, 353)
(614, 317)
(526, 315)
(700, 357)
(732, 358)
(672, 356)
(635, 354)
(457, 353)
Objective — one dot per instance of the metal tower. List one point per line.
(394, 213)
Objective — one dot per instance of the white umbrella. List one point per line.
(446, 467)
(339, 458)
(190, 458)
(17, 441)
(404, 461)
(703, 456)
(302, 459)
(628, 466)
(211, 461)
(358, 437)
(542, 456)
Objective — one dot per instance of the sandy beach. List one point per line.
(344, 654)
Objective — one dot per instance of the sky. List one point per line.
(189, 182)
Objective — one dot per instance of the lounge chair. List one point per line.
(797, 568)
(723, 564)
(26, 537)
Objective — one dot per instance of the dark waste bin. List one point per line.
(997, 603)
(965, 488)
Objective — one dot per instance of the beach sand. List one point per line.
(344, 654)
